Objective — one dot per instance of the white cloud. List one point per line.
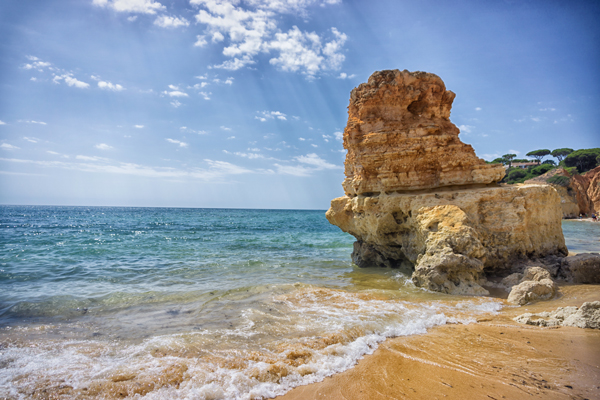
(265, 115)
(314, 145)
(110, 86)
(465, 128)
(203, 77)
(301, 139)
(176, 103)
(132, 6)
(2, 123)
(517, 152)
(547, 109)
(200, 41)
(231, 137)
(175, 92)
(344, 75)
(186, 129)
(103, 146)
(39, 65)
(297, 170)
(6, 146)
(138, 126)
(181, 144)
(477, 108)
(224, 128)
(33, 78)
(33, 122)
(250, 156)
(165, 21)
(316, 161)
(206, 95)
(216, 169)
(250, 28)
(490, 157)
(32, 140)
(132, 18)
(52, 152)
(536, 119)
(339, 135)
(69, 80)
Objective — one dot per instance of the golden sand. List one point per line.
(496, 358)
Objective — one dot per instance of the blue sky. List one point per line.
(241, 103)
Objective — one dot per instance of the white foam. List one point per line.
(305, 316)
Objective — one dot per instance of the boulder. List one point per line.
(581, 268)
(535, 284)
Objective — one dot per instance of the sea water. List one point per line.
(172, 303)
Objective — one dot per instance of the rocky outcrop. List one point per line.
(417, 197)
(581, 268)
(586, 316)
(399, 137)
(580, 196)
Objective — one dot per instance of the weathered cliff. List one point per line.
(417, 197)
(580, 196)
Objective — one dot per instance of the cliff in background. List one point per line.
(580, 196)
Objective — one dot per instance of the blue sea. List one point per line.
(168, 303)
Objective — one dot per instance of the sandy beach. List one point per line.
(495, 358)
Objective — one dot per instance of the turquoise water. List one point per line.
(197, 303)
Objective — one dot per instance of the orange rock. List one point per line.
(399, 137)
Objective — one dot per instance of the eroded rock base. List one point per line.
(454, 239)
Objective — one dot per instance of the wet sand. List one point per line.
(496, 358)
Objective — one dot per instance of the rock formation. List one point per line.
(535, 283)
(586, 316)
(417, 197)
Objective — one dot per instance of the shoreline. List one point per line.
(495, 358)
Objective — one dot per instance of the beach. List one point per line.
(496, 358)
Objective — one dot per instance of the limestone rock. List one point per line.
(452, 237)
(417, 196)
(586, 316)
(399, 137)
(536, 284)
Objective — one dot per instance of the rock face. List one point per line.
(417, 197)
(580, 196)
(586, 316)
(399, 137)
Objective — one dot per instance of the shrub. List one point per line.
(516, 174)
(559, 180)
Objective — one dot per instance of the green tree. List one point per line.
(560, 154)
(541, 169)
(584, 159)
(516, 174)
(498, 160)
(508, 159)
(549, 161)
(538, 154)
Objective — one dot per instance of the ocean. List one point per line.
(171, 303)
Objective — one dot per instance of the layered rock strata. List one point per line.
(416, 196)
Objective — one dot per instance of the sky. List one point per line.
(242, 103)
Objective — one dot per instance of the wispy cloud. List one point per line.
(165, 21)
(138, 126)
(70, 81)
(215, 171)
(131, 6)
(180, 143)
(110, 86)
(31, 139)
(32, 122)
(103, 146)
(2, 123)
(176, 103)
(339, 135)
(174, 91)
(465, 128)
(344, 75)
(6, 146)
(265, 115)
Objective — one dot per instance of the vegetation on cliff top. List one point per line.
(574, 162)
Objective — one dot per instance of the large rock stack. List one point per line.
(416, 196)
